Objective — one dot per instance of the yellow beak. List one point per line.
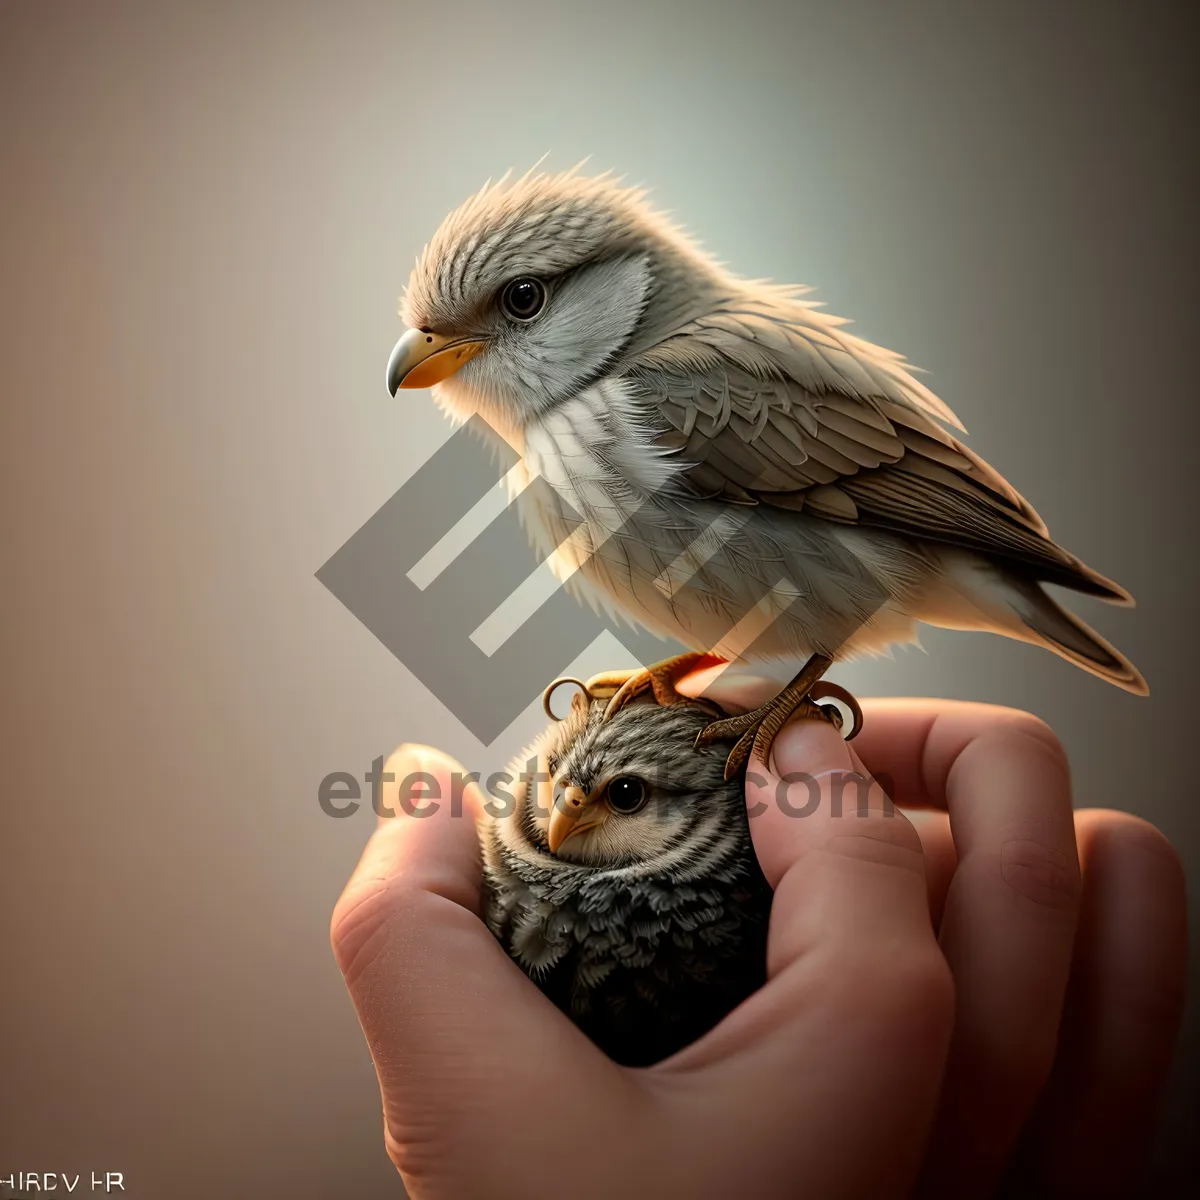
(572, 813)
(422, 359)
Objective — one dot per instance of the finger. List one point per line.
(1007, 932)
(912, 744)
(816, 797)
(1090, 1133)
(737, 689)
(454, 1027)
(734, 688)
(941, 859)
(855, 1019)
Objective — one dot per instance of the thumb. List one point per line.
(454, 1027)
(845, 1045)
(845, 863)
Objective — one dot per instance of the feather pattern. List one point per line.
(843, 426)
(662, 397)
(652, 940)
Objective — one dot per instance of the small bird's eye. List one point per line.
(523, 299)
(626, 794)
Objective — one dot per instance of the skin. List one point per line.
(979, 991)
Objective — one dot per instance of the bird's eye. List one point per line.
(626, 794)
(523, 299)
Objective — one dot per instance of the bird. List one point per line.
(728, 465)
(621, 876)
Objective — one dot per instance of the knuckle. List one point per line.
(413, 1157)
(1123, 833)
(888, 840)
(1145, 976)
(1043, 874)
(1033, 729)
(358, 923)
(1025, 732)
(1033, 726)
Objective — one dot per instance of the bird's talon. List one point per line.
(757, 730)
(727, 727)
(548, 694)
(824, 688)
(660, 679)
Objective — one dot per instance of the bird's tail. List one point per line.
(975, 594)
(1064, 633)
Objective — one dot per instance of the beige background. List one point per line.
(208, 212)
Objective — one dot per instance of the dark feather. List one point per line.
(643, 961)
(837, 450)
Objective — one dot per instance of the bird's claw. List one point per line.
(757, 730)
(825, 689)
(621, 687)
(548, 694)
(660, 679)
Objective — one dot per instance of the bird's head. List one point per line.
(628, 791)
(535, 287)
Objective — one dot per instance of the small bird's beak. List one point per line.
(422, 359)
(572, 813)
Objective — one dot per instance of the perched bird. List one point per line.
(622, 878)
(727, 465)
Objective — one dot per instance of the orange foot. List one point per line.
(660, 679)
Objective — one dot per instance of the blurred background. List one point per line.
(209, 211)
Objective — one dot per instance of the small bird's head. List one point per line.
(535, 287)
(631, 791)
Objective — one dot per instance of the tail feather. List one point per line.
(1068, 636)
(1081, 578)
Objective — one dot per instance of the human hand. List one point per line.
(835, 1078)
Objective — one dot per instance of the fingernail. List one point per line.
(811, 745)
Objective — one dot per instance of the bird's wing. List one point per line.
(771, 403)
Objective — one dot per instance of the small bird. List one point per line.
(727, 465)
(622, 878)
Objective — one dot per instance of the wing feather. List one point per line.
(771, 403)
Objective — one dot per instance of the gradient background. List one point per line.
(208, 214)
